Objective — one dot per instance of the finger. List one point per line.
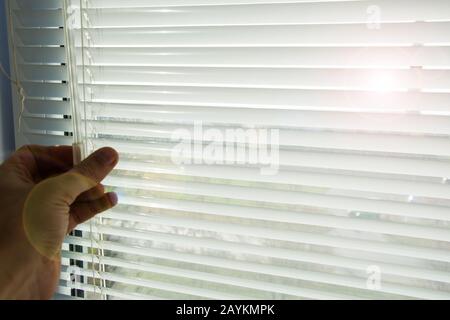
(98, 165)
(93, 194)
(68, 187)
(42, 162)
(83, 211)
(52, 160)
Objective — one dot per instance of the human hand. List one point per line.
(43, 197)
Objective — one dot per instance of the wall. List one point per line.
(6, 114)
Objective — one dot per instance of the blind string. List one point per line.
(16, 82)
(84, 19)
(79, 110)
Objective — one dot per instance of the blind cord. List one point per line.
(16, 82)
(96, 245)
(20, 91)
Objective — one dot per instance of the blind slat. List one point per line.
(152, 268)
(269, 13)
(307, 257)
(358, 79)
(320, 240)
(355, 132)
(268, 57)
(357, 164)
(430, 33)
(394, 189)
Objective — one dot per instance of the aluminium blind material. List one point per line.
(38, 57)
(359, 93)
(39, 63)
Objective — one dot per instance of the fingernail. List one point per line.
(107, 156)
(113, 198)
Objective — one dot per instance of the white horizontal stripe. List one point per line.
(268, 13)
(352, 221)
(42, 54)
(46, 138)
(176, 3)
(41, 4)
(396, 33)
(323, 240)
(333, 183)
(351, 164)
(289, 255)
(264, 286)
(347, 132)
(267, 57)
(107, 291)
(43, 89)
(47, 106)
(43, 72)
(376, 120)
(215, 278)
(346, 79)
(277, 99)
(234, 194)
(166, 286)
(40, 17)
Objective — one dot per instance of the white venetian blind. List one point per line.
(359, 92)
(38, 61)
(42, 109)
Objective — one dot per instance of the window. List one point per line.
(270, 149)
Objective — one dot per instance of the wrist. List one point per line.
(23, 270)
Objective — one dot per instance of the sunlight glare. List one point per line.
(382, 82)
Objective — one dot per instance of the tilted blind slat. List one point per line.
(430, 33)
(269, 57)
(359, 79)
(298, 99)
(308, 257)
(338, 183)
(313, 160)
(270, 13)
(229, 246)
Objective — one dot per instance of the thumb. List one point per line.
(98, 165)
(47, 210)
